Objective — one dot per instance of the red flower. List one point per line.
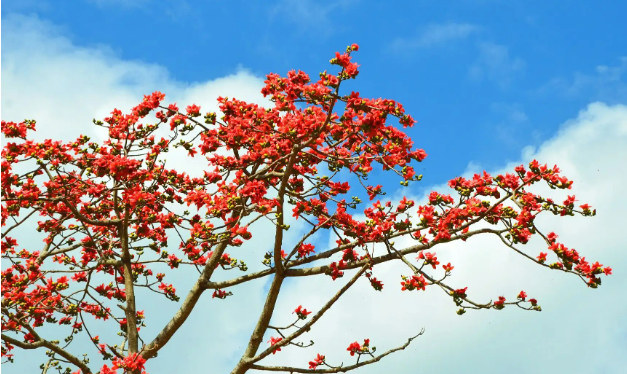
(334, 269)
(429, 258)
(80, 277)
(305, 250)
(500, 304)
(542, 257)
(131, 362)
(376, 284)
(220, 294)
(461, 293)
(349, 255)
(319, 360)
(416, 282)
(301, 313)
(552, 237)
(193, 110)
(522, 295)
(354, 348)
(273, 341)
(107, 370)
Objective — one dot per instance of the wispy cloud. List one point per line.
(309, 15)
(177, 10)
(512, 112)
(496, 65)
(434, 35)
(607, 83)
(512, 125)
(120, 3)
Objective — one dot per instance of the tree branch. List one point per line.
(313, 320)
(186, 308)
(340, 369)
(53, 347)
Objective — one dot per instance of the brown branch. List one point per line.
(307, 326)
(380, 259)
(6, 232)
(262, 325)
(278, 238)
(340, 369)
(186, 308)
(238, 280)
(129, 288)
(53, 347)
(322, 269)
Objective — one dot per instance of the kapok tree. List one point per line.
(113, 211)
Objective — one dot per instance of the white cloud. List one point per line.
(434, 35)
(607, 83)
(496, 65)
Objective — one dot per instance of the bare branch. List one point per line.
(306, 327)
(186, 308)
(53, 347)
(340, 369)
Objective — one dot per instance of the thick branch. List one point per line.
(129, 289)
(186, 308)
(262, 325)
(314, 319)
(278, 238)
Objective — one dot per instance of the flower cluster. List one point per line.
(356, 348)
(416, 282)
(319, 360)
(429, 258)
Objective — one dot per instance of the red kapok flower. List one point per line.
(354, 348)
(301, 312)
(416, 282)
(376, 284)
(522, 295)
(319, 360)
(542, 257)
(273, 341)
(131, 362)
(461, 293)
(500, 304)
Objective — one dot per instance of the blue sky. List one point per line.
(491, 83)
